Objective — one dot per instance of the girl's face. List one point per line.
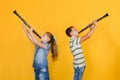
(45, 38)
(74, 32)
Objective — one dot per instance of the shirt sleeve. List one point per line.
(78, 40)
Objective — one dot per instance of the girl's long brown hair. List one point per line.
(53, 43)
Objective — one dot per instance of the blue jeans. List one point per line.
(78, 73)
(41, 74)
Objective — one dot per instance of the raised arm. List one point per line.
(28, 34)
(91, 31)
(36, 42)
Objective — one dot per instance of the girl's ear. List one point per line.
(48, 39)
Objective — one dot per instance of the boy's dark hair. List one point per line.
(68, 30)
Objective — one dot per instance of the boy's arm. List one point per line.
(28, 34)
(89, 34)
(36, 41)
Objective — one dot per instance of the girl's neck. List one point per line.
(43, 41)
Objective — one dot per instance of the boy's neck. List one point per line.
(74, 36)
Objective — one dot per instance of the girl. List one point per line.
(42, 48)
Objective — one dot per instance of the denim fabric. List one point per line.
(41, 74)
(78, 73)
(40, 57)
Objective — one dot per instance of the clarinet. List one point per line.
(92, 23)
(25, 22)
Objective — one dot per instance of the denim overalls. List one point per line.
(40, 63)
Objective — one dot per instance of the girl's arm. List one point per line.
(36, 41)
(89, 34)
(28, 33)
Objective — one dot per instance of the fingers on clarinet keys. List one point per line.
(95, 23)
(31, 29)
(24, 25)
(90, 26)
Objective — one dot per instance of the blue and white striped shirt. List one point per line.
(76, 49)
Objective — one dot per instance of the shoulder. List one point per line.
(37, 47)
(47, 45)
(77, 40)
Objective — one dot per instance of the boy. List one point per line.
(76, 49)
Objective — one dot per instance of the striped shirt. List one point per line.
(76, 49)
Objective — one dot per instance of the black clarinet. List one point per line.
(92, 23)
(25, 22)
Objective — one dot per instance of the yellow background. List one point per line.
(102, 50)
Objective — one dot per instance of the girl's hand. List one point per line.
(31, 29)
(24, 25)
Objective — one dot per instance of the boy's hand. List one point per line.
(95, 23)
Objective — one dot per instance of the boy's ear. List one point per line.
(71, 33)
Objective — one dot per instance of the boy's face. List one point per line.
(74, 32)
